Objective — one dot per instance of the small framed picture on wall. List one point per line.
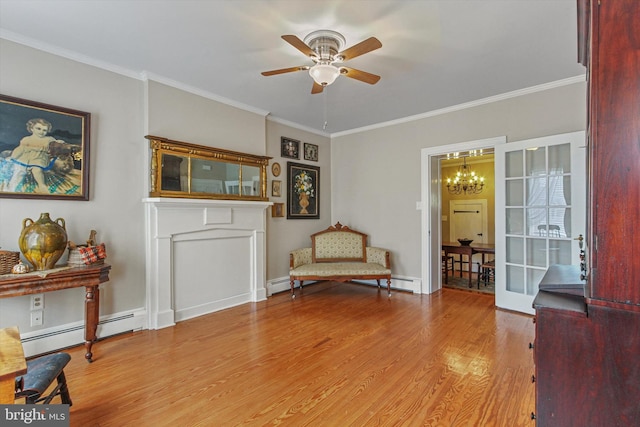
(310, 152)
(289, 148)
(275, 188)
(277, 210)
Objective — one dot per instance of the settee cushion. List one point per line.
(330, 269)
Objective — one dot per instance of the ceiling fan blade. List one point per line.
(361, 48)
(363, 76)
(285, 70)
(298, 44)
(316, 88)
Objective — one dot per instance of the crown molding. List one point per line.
(141, 75)
(471, 104)
(147, 76)
(144, 76)
(64, 53)
(297, 126)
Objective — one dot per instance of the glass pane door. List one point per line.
(540, 210)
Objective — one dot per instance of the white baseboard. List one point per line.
(280, 284)
(211, 307)
(409, 284)
(72, 334)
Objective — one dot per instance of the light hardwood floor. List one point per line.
(337, 355)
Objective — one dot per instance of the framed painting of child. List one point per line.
(44, 150)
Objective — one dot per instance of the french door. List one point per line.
(540, 211)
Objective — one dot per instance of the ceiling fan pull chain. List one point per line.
(324, 97)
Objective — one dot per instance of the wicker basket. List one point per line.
(75, 259)
(7, 260)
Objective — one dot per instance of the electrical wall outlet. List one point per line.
(37, 302)
(37, 318)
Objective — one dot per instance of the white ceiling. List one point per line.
(435, 54)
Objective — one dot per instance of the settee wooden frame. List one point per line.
(339, 254)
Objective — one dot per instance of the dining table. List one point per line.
(469, 251)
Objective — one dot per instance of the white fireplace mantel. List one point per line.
(202, 256)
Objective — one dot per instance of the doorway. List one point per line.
(431, 236)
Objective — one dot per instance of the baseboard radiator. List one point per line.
(72, 334)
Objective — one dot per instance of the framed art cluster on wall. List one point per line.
(290, 149)
(303, 181)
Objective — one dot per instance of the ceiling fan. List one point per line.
(324, 48)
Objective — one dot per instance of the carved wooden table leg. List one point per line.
(91, 318)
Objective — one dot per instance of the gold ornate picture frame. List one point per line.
(276, 186)
(277, 210)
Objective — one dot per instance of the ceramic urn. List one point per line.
(43, 242)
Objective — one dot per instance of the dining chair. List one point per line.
(447, 265)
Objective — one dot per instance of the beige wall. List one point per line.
(117, 179)
(287, 234)
(484, 169)
(379, 170)
(175, 114)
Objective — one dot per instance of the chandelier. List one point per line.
(466, 181)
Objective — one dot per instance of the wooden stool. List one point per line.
(40, 375)
(487, 272)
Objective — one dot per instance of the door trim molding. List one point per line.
(431, 205)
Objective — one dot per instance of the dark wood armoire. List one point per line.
(587, 346)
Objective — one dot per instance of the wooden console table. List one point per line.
(90, 277)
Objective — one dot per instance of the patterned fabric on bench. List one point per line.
(340, 254)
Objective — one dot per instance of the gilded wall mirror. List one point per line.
(181, 169)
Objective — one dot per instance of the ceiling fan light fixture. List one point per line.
(324, 74)
(324, 48)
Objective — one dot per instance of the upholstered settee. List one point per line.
(340, 254)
